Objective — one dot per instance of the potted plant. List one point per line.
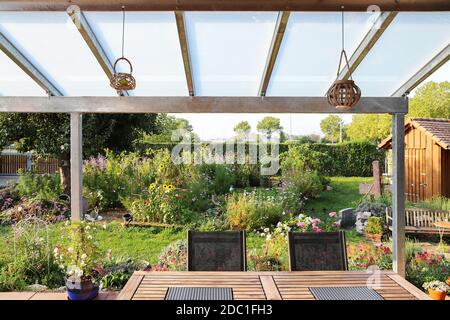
(79, 258)
(437, 290)
(374, 229)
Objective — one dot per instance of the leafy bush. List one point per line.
(427, 267)
(300, 178)
(27, 259)
(248, 211)
(49, 211)
(8, 198)
(363, 255)
(117, 271)
(161, 204)
(377, 209)
(45, 187)
(374, 225)
(174, 257)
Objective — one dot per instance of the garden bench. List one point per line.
(421, 221)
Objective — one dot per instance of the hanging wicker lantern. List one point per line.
(343, 94)
(121, 80)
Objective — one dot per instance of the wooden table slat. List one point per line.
(266, 285)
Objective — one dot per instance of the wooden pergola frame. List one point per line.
(397, 104)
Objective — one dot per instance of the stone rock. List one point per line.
(348, 218)
(361, 221)
(36, 288)
(329, 188)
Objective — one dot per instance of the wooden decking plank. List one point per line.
(270, 288)
(131, 287)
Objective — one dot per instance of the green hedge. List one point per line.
(349, 159)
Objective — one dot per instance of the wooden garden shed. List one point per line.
(427, 157)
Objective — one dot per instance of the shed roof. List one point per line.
(438, 129)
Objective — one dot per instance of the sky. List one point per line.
(228, 52)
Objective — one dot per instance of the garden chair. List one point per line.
(216, 251)
(310, 251)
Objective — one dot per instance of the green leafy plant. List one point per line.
(374, 225)
(45, 187)
(78, 255)
(173, 257)
(117, 271)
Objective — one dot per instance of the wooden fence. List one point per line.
(11, 163)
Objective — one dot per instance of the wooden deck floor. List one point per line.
(25, 295)
(266, 285)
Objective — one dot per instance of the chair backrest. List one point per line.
(216, 251)
(310, 251)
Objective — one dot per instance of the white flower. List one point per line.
(70, 249)
(269, 236)
(263, 234)
(89, 237)
(279, 224)
(104, 226)
(87, 227)
(83, 256)
(266, 230)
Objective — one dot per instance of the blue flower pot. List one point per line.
(84, 290)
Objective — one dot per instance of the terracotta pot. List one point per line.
(437, 295)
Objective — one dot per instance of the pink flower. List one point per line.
(316, 229)
(337, 224)
(332, 214)
(300, 224)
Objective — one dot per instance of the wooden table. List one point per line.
(145, 285)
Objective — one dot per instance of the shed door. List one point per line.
(416, 175)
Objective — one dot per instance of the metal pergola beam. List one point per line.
(280, 28)
(181, 27)
(91, 40)
(431, 66)
(29, 68)
(379, 26)
(227, 5)
(196, 105)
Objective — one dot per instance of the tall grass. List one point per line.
(434, 203)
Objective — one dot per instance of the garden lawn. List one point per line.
(344, 194)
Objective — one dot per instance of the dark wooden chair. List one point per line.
(310, 251)
(216, 251)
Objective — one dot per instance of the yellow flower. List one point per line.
(162, 166)
(152, 186)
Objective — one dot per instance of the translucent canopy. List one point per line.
(52, 43)
(152, 46)
(14, 81)
(228, 52)
(309, 56)
(409, 43)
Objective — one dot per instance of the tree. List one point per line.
(432, 100)
(370, 127)
(242, 129)
(269, 125)
(331, 127)
(49, 134)
(165, 125)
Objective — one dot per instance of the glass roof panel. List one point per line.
(52, 43)
(440, 75)
(152, 46)
(409, 43)
(229, 50)
(309, 54)
(14, 81)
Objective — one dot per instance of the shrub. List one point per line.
(300, 178)
(374, 226)
(247, 211)
(45, 187)
(117, 271)
(363, 255)
(49, 211)
(174, 257)
(427, 267)
(8, 198)
(377, 209)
